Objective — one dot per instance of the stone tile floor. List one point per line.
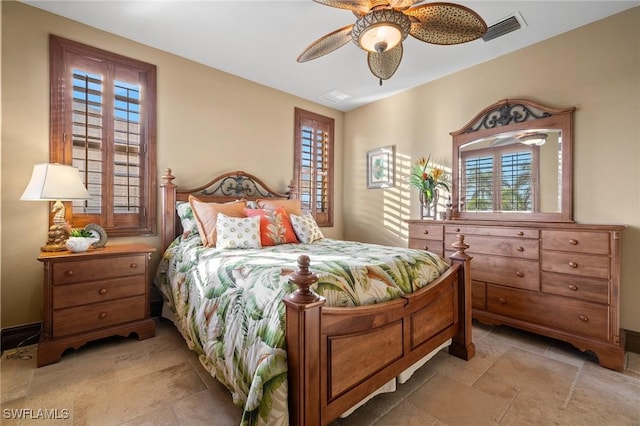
(516, 378)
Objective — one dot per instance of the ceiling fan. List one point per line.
(382, 25)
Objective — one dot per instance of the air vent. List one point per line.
(505, 26)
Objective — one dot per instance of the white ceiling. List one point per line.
(260, 40)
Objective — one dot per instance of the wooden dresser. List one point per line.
(99, 293)
(561, 280)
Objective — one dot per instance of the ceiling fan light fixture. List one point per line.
(381, 30)
(537, 139)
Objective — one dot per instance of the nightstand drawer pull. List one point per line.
(133, 265)
(583, 318)
(573, 264)
(519, 274)
(102, 315)
(69, 273)
(573, 242)
(520, 249)
(573, 287)
(102, 291)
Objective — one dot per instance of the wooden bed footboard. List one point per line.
(338, 356)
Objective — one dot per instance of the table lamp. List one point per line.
(55, 182)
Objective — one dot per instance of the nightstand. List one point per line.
(88, 296)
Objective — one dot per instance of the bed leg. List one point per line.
(462, 344)
(303, 311)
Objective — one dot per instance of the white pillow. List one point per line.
(238, 232)
(306, 228)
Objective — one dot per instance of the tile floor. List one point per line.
(516, 378)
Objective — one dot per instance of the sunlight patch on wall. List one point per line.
(397, 200)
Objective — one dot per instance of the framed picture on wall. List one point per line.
(381, 167)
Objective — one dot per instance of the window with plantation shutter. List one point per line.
(313, 164)
(500, 179)
(103, 122)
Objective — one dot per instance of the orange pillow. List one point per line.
(206, 215)
(275, 226)
(291, 206)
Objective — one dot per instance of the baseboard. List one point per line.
(26, 334)
(632, 341)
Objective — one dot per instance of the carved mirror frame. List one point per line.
(518, 115)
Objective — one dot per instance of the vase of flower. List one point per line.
(428, 179)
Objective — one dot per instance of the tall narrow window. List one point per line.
(313, 164)
(103, 121)
(500, 179)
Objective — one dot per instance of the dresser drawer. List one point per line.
(434, 246)
(512, 247)
(576, 241)
(576, 316)
(478, 295)
(497, 231)
(519, 273)
(428, 231)
(90, 317)
(97, 291)
(586, 265)
(101, 268)
(574, 286)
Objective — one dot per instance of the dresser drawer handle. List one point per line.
(426, 248)
(573, 242)
(102, 291)
(133, 265)
(457, 230)
(573, 287)
(520, 249)
(519, 274)
(573, 264)
(520, 233)
(102, 315)
(426, 231)
(583, 318)
(69, 273)
(502, 300)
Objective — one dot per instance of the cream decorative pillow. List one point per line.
(306, 228)
(238, 233)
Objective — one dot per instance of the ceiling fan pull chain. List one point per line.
(380, 82)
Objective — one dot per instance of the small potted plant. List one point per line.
(79, 239)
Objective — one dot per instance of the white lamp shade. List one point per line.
(55, 182)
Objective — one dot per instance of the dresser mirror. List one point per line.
(513, 162)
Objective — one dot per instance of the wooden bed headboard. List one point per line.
(224, 188)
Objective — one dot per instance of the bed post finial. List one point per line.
(303, 278)
(168, 177)
(460, 247)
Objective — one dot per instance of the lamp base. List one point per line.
(57, 236)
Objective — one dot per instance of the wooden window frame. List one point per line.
(64, 54)
(327, 125)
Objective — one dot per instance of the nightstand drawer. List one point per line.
(100, 268)
(65, 296)
(98, 315)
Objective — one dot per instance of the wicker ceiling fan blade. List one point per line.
(359, 7)
(403, 4)
(384, 64)
(446, 23)
(326, 44)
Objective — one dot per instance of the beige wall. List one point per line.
(595, 68)
(209, 122)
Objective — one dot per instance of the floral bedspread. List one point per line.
(228, 305)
